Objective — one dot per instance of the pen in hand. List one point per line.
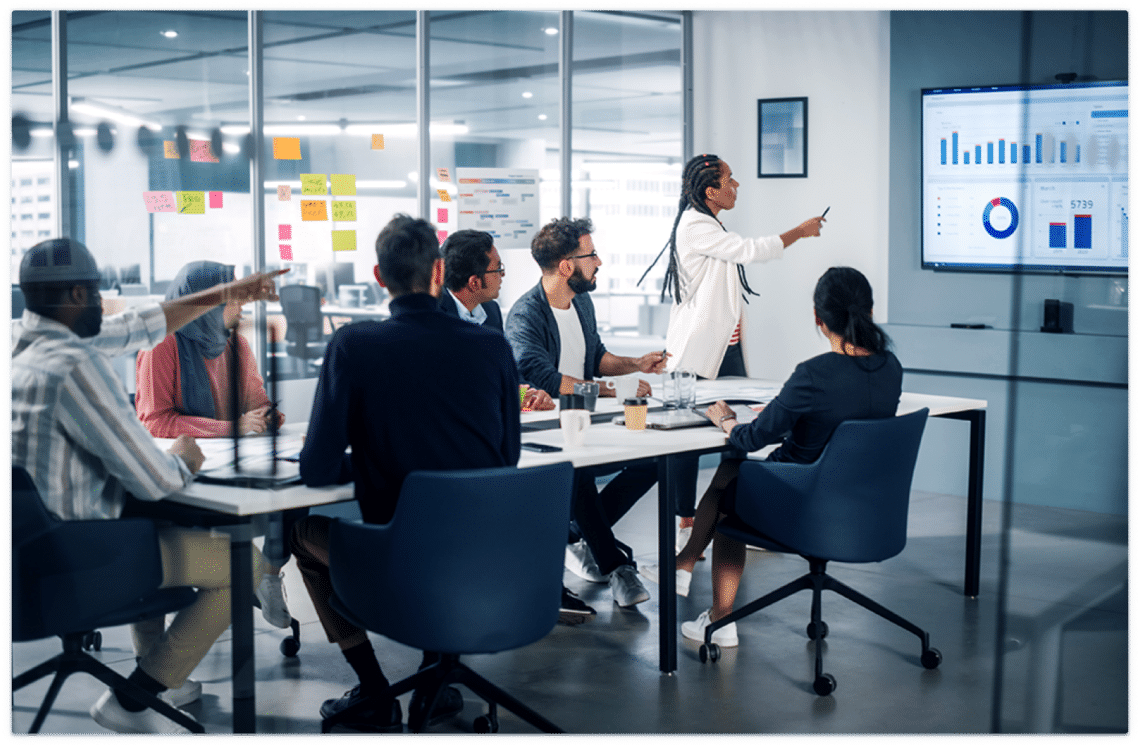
(825, 211)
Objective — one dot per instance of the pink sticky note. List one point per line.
(284, 231)
(284, 192)
(442, 236)
(215, 199)
(286, 251)
(159, 202)
(441, 215)
(200, 151)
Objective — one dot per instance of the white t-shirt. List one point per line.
(572, 355)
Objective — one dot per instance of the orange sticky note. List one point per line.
(287, 148)
(284, 192)
(159, 202)
(343, 184)
(201, 152)
(170, 149)
(377, 142)
(443, 195)
(313, 210)
(344, 241)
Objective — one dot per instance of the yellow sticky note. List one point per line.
(344, 241)
(443, 195)
(377, 142)
(191, 202)
(287, 148)
(313, 210)
(343, 184)
(313, 184)
(345, 210)
(170, 149)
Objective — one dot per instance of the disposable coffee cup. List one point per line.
(636, 410)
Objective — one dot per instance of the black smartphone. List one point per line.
(531, 446)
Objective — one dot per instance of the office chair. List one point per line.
(849, 506)
(433, 577)
(71, 577)
(305, 324)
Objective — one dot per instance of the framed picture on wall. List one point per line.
(782, 142)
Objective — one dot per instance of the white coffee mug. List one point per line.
(574, 425)
(625, 387)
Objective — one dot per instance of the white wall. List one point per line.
(841, 62)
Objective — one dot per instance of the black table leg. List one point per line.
(974, 502)
(667, 617)
(241, 621)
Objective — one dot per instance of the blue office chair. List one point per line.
(471, 563)
(70, 578)
(849, 506)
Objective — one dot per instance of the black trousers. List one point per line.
(596, 512)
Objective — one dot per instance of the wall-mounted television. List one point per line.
(1026, 178)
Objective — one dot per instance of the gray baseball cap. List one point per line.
(58, 261)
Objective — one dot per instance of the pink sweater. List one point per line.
(158, 379)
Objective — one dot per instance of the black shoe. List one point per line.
(450, 703)
(376, 713)
(573, 610)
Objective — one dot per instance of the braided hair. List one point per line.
(843, 301)
(700, 173)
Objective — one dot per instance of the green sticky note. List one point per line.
(344, 241)
(344, 210)
(191, 202)
(313, 184)
(343, 184)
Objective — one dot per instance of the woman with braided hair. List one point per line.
(705, 274)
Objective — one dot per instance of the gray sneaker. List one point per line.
(580, 561)
(626, 587)
(271, 594)
(110, 715)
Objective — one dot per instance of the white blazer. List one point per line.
(711, 292)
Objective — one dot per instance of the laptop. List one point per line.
(259, 466)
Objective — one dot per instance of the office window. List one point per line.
(43, 198)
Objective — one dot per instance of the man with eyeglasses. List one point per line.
(553, 333)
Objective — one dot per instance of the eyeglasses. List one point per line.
(583, 256)
(500, 270)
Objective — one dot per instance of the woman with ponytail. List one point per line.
(705, 275)
(860, 378)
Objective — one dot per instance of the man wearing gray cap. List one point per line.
(77, 435)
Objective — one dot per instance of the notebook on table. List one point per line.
(693, 417)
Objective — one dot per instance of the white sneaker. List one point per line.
(271, 594)
(190, 691)
(626, 587)
(695, 631)
(580, 561)
(109, 714)
(683, 534)
(653, 573)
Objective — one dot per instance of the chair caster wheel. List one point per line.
(824, 684)
(931, 658)
(817, 634)
(708, 652)
(290, 647)
(487, 724)
(93, 640)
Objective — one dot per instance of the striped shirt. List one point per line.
(73, 427)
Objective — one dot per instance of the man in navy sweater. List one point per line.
(421, 390)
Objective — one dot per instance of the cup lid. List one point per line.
(636, 401)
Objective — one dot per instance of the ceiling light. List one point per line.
(550, 31)
(542, 117)
(231, 148)
(117, 115)
(527, 94)
(170, 34)
(42, 132)
(300, 117)
(73, 164)
(85, 132)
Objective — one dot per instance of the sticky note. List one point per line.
(443, 175)
(343, 184)
(313, 210)
(442, 236)
(190, 203)
(344, 241)
(284, 192)
(313, 184)
(215, 199)
(287, 148)
(377, 142)
(345, 210)
(441, 215)
(170, 149)
(201, 152)
(284, 231)
(159, 202)
(286, 251)
(443, 195)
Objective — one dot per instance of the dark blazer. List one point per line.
(494, 318)
(421, 390)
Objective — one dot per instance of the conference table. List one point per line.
(241, 510)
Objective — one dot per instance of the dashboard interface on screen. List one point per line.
(1026, 177)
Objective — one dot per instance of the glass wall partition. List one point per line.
(34, 203)
(495, 97)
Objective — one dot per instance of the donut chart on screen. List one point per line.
(1006, 203)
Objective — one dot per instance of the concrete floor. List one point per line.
(1065, 662)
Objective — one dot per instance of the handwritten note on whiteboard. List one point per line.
(313, 210)
(159, 202)
(313, 184)
(191, 203)
(344, 210)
